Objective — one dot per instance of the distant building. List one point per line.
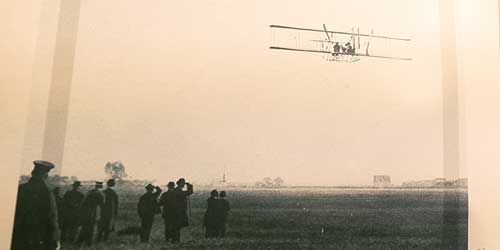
(463, 183)
(381, 181)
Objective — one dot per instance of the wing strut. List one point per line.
(359, 40)
(326, 31)
(353, 40)
(368, 45)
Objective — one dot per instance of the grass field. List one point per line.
(314, 218)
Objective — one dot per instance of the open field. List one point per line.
(319, 218)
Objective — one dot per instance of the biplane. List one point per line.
(338, 49)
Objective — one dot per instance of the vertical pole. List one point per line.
(451, 122)
(451, 234)
(41, 80)
(60, 87)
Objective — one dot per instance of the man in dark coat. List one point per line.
(109, 212)
(89, 213)
(147, 209)
(35, 222)
(72, 200)
(210, 216)
(181, 208)
(222, 212)
(167, 202)
(59, 205)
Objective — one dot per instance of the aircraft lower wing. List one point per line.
(340, 53)
(301, 50)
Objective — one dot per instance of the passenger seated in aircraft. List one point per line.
(349, 49)
(344, 49)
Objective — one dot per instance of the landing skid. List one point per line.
(342, 58)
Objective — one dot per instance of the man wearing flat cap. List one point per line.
(147, 208)
(35, 222)
(89, 213)
(181, 206)
(109, 212)
(72, 200)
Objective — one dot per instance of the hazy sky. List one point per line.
(176, 88)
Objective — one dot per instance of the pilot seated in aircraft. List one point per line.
(336, 49)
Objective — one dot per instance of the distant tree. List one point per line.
(268, 182)
(56, 180)
(24, 178)
(278, 182)
(115, 170)
(260, 184)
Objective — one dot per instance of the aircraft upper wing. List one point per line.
(338, 32)
(340, 53)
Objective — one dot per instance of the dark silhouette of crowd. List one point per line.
(44, 219)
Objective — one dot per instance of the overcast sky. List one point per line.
(176, 88)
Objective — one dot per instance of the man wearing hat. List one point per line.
(93, 201)
(167, 201)
(35, 221)
(109, 211)
(147, 208)
(223, 209)
(72, 200)
(210, 218)
(181, 217)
